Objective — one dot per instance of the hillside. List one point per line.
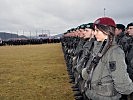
(5, 36)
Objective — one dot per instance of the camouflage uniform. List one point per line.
(126, 43)
(119, 37)
(110, 78)
(124, 40)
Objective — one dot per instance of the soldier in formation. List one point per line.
(99, 60)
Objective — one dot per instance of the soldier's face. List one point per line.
(88, 33)
(82, 32)
(117, 31)
(78, 32)
(130, 30)
(100, 36)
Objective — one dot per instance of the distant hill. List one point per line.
(6, 36)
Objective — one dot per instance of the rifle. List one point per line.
(82, 64)
(95, 61)
(83, 61)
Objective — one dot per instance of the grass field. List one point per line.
(33, 72)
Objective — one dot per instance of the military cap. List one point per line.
(105, 21)
(65, 33)
(120, 26)
(70, 30)
(81, 26)
(130, 24)
(89, 25)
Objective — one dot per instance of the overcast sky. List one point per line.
(59, 15)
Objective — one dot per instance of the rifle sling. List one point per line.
(104, 48)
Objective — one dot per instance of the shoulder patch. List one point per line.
(112, 66)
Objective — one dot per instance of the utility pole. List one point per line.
(49, 33)
(23, 32)
(104, 12)
(36, 34)
(30, 35)
(42, 31)
(17, 34)
(10, 35)
(5, 36)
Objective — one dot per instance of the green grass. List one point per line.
(33, 72)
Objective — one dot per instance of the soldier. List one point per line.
(127, 43)
(82, 41)
(89, 36)
(106, 75)
(119, 32)
(130, 29)
(129, 51)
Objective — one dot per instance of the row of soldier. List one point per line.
(99, 59)
(28, 41)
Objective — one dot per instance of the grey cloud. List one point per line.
(60, 15)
